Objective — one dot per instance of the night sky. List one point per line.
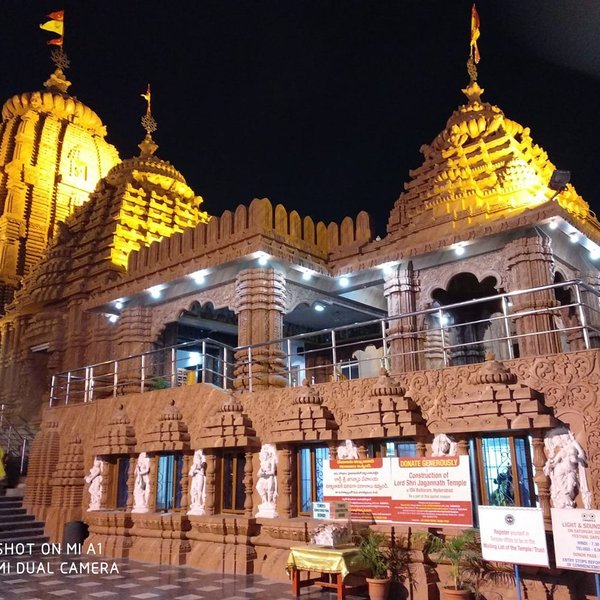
(319, 105)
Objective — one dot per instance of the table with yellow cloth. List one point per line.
(338, 562)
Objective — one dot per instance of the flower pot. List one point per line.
(454, 594)
(379, 588)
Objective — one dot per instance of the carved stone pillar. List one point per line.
(541, 480)
(130, 483)
(421, 448)
(152, 479)
(211, 465)
(400, 290)
(284, 471)
(463, 446)
(260, 306)
(185, 482)
(530, 263)
(133, 338)
(248, 485)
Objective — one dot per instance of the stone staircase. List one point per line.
(16, 526)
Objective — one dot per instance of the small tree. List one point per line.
(373, 549)
(460, 551)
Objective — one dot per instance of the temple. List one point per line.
(187, 375)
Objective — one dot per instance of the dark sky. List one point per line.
(320, 105)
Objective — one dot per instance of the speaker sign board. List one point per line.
(576, 538)
(513, 535)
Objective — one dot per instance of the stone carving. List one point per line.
(141, 490)
(347, 451)
(94, 481)
(331, 534)
(443, 445)
(266, 485)
(565, 466)
(197, 476)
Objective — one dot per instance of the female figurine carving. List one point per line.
(94, 481)
(141, 490)
(347, 451)
(565, 465)
(198, 486)
(443, 445)
(267, 475)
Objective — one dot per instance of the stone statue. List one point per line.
(198, 484)
(94, 481)
(266, 485)
(347, 451)
(565, 465)
(141, 490)
(443, 445)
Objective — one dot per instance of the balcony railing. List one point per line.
(523, 322)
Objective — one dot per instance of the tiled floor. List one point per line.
(138, 581)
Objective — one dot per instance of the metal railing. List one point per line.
(437, 337)
(15, 439)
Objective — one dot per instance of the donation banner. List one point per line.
(432, 491)
(576, 538)
(364, 484)
(513, 535)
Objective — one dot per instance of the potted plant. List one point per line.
(374, 551)
(462, 551)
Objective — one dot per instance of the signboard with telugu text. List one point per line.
(513, 534)
(576, 538)
(363, 483)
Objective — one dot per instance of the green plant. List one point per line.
(460, 551)
(375, 553)
(479, 571)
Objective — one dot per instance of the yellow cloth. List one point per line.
(2, 469)
(326, 560)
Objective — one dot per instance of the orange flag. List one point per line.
(55, 41)
(57, 15)
(55, 25)
(475, 33)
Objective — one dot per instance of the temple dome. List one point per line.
(140, 201)
(53, 151)
(482, 166)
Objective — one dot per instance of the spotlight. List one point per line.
(319, 307)
(306, 275)
(344, 282)
(459, 248)
(263, 259)
(553, 224)
(574, 237)
(155, 291)
(113, 318)
(198, 276)
(119, 304)
(595, 253)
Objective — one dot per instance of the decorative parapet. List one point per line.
(169, 433)
(230, 427)
(388, 412)
(117, 436)
(493, 400)
(306, 419)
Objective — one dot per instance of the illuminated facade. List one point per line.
(52, 153)
(198, 334)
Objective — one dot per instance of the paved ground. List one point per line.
(136, 581)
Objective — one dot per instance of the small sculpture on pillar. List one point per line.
(565, 465)
(266, 485)
(141, 490)
(347, 451)
(198, 484)
(443, 445)
(94, 481)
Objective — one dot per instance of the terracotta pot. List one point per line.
(452, 594)
(379, 588)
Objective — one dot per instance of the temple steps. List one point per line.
(16, 526)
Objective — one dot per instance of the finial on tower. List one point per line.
(473, 47)
(148, 146)
(57, 80)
